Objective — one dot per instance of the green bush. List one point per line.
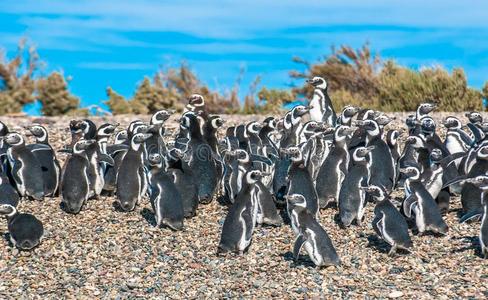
(52, 92)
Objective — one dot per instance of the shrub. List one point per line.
(53, 93)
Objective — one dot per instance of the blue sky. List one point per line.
(115, 43)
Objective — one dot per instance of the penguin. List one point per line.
(240, 220)
(25, 168)
(321, 108)
(392, 141)
(267, 212)
(165, 197)
(388, 222)
(470, 194)
(254, 144)
(156, 144)
(457, 140)
(184, 181)
(307, 131)
(99, 159)
(212, 124)
(334, 169)
(75, 184)
(8, 193)
(310, 234)
(300, 181)
(201, 158)
(352, 200)
(319, 146)
(25, 230)
(424, 109)
(347, 115)
(3, 147)
(474, 117)
(266, 134)
(482, 183)
(46, 156)
(381, 161)
(293, 126)
(131, 183)
(196, 104)
(432, 140)
(421, 203)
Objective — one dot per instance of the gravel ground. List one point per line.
(102, 253)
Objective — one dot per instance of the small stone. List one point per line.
(395, 294)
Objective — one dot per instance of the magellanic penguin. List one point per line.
(421, 204)
(267, 211)
(300, 181)
(352, 200)
(165, 197)
(202, 160)
(334, 169)
(196, 104)
(388, 222)
(347, 115)
(75, 184)
(310, 234)
(240, 220)
(156, 144)
(47, 159)
(470, 194)
(131, 178)
(381, 160)
(25, 168)
(25, 230)
(293, 125)
(321, 108)
(117, 151)
(482, 183)
(184, 180)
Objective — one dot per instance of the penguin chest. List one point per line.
(316, 112)
(312, 248)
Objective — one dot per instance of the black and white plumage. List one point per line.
(321, 108)
(310, 234)
(25, 230)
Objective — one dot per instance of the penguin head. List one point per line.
(14, 139)
(343, 132)
(140, 138)
(7, 210)
(133, 125)
(474, 117)
(216, 122)
(349, 111)
(298, 112)
(425, 108)
(270, 122)
(318, 82)
(253, 127)
(311, 127)
(479, 181)
(361, 153)
(484, 127)
(482, 153)
(427, 125)
(155, 160)
(140, 128)
(294, 153)
(39, 132)
(377, 192)
(436, 155)
(82, 145)
(195, 101)
(370, 126)
(296, 200)
(411, 121)
(452, 122)
(411, 172)
(85, 128)
(106, 130)
(121, 137)
(415, 141)
(383, 120)
(254, 176)
(242, 156)
(161, 116)
(392, 137)
(176, 154)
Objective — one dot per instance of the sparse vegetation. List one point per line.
(358, 77)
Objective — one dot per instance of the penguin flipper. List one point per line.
(106, 159)
(409, 204)
(471, 215)
(260, 158)
(454, 181)
(446, 161)
(477, 133)
(112, 149)
(37, 147)
(377, 226)
(299, 242)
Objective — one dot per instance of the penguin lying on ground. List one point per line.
(25, 230)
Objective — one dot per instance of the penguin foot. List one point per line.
(392, 252)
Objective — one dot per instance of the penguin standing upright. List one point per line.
(388, 223)
(155, 144)
(334, 169)
(26, 231)
(117, 152)
(25, 168)
(420, 202)
(131, 178)
(165, 197)
(184, 181)
(75, 184)
(47, 159)
(201, 158)
(300, 181)
(352, 200)
(321, 109)
(240, 220)
(347, 114)
(8, 192)
(470, 194)
(310, 234)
